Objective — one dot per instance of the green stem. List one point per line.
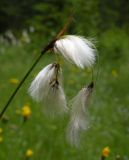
(103, 158)
(49, 46)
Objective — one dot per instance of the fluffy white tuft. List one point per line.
(76, 49)
(79, 116)
(47, 89)
(55, 102)
(39, 86)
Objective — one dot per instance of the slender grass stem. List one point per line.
(45, 49)
(20, 84)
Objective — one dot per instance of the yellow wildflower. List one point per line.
(26, 111)
(1, 139)
(114, 73)
(105, 152)
(1, 130)
(14, 81)
(29, 153)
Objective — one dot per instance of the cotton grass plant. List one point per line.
(47, 86)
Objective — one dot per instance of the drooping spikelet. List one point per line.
(39, 86)
(76, 49)
(47, 89)
(78, 118)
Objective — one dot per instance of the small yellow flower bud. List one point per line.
(26, 111)
(14, 81)
(29, 153)
(106, 152)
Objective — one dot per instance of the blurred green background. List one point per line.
(27, 26)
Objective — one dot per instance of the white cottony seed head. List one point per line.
(79, 115)
(47, 89)
(77, 50)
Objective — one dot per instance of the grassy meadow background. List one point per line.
(109, 106)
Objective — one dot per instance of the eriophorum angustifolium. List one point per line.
(76, 49)
(109, 110)
(47, 86)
